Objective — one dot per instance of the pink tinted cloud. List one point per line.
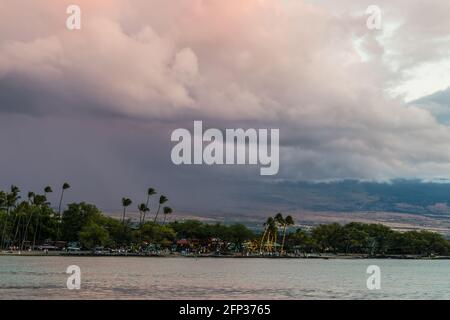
(287, 64)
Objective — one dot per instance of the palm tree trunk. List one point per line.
(17, 229)
(26, 231)
(272, 242)
(60, 202)
(275, 241)
(164, 221)
(36, 230)
(5, 227)
(268, 241)
(146, 205)
(157, 212)
(284, 237)
(262, 240)
(59, 213)
(16, 219)
(123, 215)
(148, 199)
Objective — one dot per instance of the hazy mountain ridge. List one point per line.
(403, 196)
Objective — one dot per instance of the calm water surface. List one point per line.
(216, 278)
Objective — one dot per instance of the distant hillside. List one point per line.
(352, 196)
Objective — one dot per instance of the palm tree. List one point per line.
(47, 190)
(15, 190)
(19, 216)
(287, 222)
(125, 203)
(30, 197)
(150, 192)
(65, 186)
(272, 233)
(162, 200)
(267, 224)
(2, 199)
(279, 220)
(38, 201)
(166, 210)
(9, 201)
(142, 210)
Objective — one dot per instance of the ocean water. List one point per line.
(220, 278)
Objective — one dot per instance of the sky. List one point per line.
(96, 106)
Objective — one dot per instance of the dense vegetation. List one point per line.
(31, 222)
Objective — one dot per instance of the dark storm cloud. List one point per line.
(23, 96)
(16, 96)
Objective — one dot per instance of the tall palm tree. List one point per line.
(166, 211)
(289, 221)
(125, 203)
(65, 186)
(162, 200)
(142, 210)
(150, 192)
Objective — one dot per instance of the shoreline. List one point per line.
(137, 255)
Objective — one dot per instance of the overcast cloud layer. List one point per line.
(97, 106)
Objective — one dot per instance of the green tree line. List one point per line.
(26, 223)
